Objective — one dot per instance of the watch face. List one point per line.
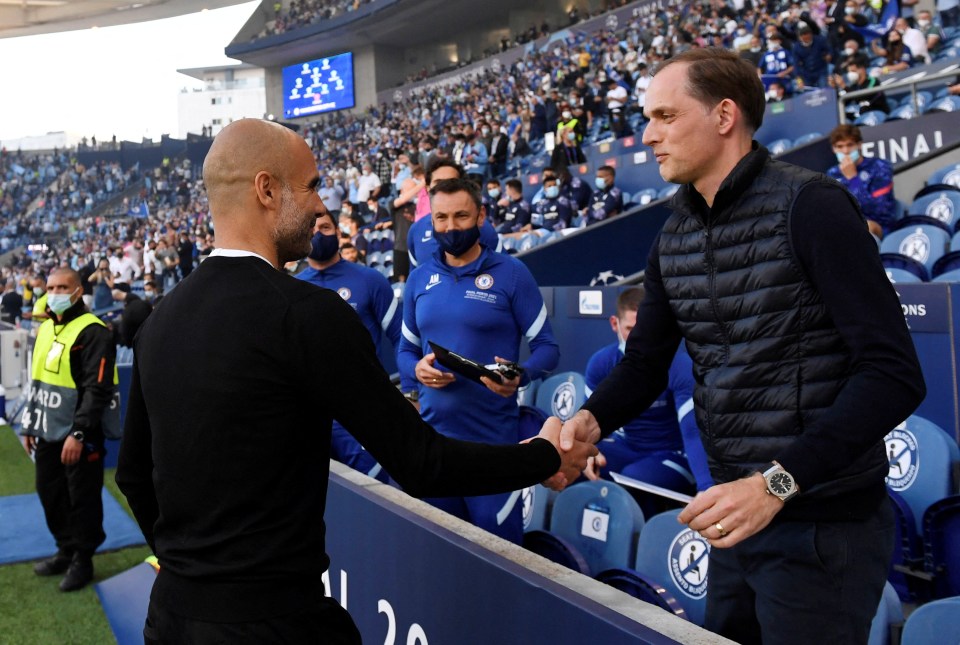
(781, 483)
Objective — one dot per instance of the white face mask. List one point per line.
(923, 23)
(621, 340)
(852, 77)
(848, 51)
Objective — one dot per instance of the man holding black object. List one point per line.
(225, 460)
(480, 305)
(802, 363)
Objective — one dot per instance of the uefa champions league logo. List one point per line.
(688, 559)
(901, 447)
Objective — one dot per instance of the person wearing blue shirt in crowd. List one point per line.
(777, 61)
(481, 305)
(516, 210)
(370, 295)
(661, 446)
(812, 56)
(420, 242)
(490, 198)
(554, 212)
(607, 199)
(474, 158)
(869, 179)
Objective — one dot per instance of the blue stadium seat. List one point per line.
(907, 550)
(602, 520)
(934, 623)
(374, 259)
(903, 112)
(949, 276)
(556, 549)
(527, 394)
(922, 459)
(924, 99)
(678, 558)
(779, 146)
(509, 244)
(531, 421)
(941, 537)
(562, 394)
(641, 588)
(386, 239)
(527, 242)
(940, 205)
(945, 104)
(645, 196)
(871, 118)
(902, 275)
(806, 138)
(889, 614)
(949, 174)
(537, 504)
(950, 53)
(924, 244)
(387, 258)
(668, 191)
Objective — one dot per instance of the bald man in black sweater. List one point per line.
(225, 460)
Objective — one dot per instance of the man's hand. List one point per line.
(740, 508)
(430, 376)
(506, 389)
(582, 426)
(29, 444)
(594, 464)
(71, 451)
(572, 461)
(848, 167)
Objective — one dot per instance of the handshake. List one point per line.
(575, 440)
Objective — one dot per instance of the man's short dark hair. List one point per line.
(450, 186)
(609, 169)
(845, 132)
(515, 185)
(629, 300)
(551, 178)
(714, 74)
(333, 220)
(442, 162)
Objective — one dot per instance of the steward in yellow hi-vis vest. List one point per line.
(73, 405)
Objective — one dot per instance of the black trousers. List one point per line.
(326, 623)
(802, 582)
(70, 496)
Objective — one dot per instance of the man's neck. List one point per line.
(465, 259)
(320, 266)
(709, 184)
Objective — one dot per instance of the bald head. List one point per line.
(64, 276)
(239, 152)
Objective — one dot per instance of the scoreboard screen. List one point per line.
(318, 86)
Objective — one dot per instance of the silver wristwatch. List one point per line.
(780, 483)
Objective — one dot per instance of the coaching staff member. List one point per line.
(802, 362)
(225, 461)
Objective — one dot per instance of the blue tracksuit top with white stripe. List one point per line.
(479, 311)
(669, 423)
(420, 242)
(367, 291)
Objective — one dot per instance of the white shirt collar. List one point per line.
(237, 253)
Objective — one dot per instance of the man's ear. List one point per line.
(268, 190)
(728, 115)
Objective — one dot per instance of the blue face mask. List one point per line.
(551, 192)
(456, 242)
(59, 302)
(323, 247)
(854, 156)
(600, 182)
(494, 192)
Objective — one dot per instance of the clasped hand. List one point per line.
(572, 460)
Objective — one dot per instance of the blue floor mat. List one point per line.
(125, 598)
(24, 535)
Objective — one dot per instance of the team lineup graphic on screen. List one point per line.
(321, 85)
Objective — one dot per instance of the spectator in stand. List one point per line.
(776, 92)
(913, 39)
(931, 31)
(754, 54)
(102, 281)
(368, 184)
(641, 85)
(379, 216)
(869, 179)
(516, 210)
(812, 57)
(351, 230)
(554, 212)
(856, 78)
(567, 151)
(607, 199)
(350, 253)
(777, 62)
(11, 303)
(616, 100)
(331, 193)
(499, 143)
(185, 253)
(897, 56)
(399, 172)
(489, 201)
(850, 53)
(170, 259)
(474, 158)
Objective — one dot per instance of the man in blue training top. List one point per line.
(607, 199)
(869, 179)
(516, 210)
(554, 212)
(481, 305)
(661, 446)
(420, 242)
(370, 295)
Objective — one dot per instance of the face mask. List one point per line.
(600, 183)
(852, 77)
(848, 52)
(754, 49)
(494, 192)
(773, 45)
(567, 115)
(854, 156)
(60, 302)
(323, 247)
(456, 242)
(923, 23)
(622, 342)
(485, 130)
(38, 291)
(571, 136)
(551, 192)
(150, 295)
(344, 228)
(849, 10)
